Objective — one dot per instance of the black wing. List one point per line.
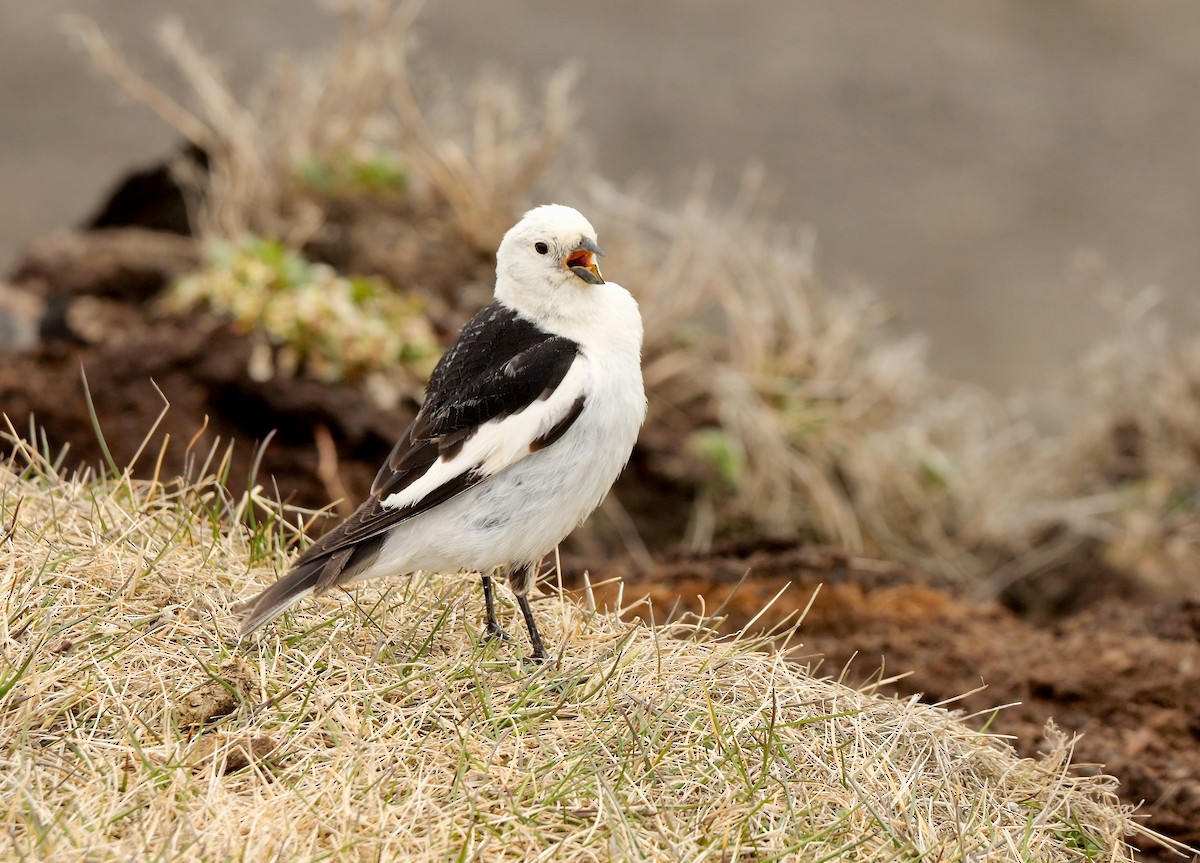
(500, 363)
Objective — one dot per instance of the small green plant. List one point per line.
(721, 451)
(312, 321)
(380, 173)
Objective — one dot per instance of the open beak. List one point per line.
(582, 262)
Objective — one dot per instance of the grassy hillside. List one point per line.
(377, 726)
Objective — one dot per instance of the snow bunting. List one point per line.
(528, 419)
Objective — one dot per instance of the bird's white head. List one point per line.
(547, 261)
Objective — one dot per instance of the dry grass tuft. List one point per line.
(833, 423)
(356, 104)
(1127, 467)
(379, 727)
(821, 419)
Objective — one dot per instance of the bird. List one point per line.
(528, 419)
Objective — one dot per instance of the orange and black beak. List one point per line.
(582, 262)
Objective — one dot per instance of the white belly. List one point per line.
(520, 514)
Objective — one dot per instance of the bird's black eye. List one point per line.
(541, 248)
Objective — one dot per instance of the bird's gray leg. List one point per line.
(489, 602)
(521, 588)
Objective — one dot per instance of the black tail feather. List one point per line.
(317, 570)
(280, 596)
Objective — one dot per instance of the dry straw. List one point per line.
(352, 101)
(378, 726)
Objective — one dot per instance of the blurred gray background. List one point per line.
(986, 166)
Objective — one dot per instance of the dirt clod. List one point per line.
(231, 753)
(216, 696)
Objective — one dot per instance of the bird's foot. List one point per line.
(496, 633)
(539, 655)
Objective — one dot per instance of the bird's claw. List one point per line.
(496, 633)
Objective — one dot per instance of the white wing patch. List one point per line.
(501, 443)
